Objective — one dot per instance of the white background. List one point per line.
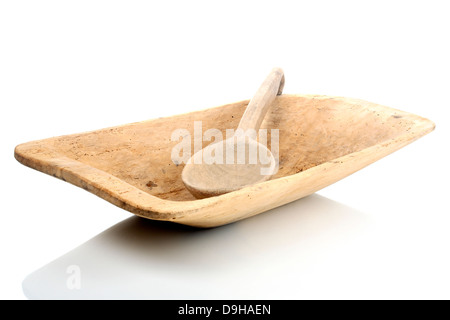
(73, 66)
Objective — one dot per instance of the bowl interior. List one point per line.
(312, 130)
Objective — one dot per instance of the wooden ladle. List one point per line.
(237, 168)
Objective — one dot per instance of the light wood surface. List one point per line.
(262, 100)
(323, 139)
(207, 179)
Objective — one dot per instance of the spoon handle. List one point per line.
(262, 100)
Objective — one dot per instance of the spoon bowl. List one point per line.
(227, 166)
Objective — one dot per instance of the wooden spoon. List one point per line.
(237, 166)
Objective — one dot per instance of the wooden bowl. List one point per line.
(322, 140)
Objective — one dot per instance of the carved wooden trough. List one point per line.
(321, 140)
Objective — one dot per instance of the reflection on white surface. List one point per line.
(269, 256)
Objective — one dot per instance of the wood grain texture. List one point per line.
(322, 140)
